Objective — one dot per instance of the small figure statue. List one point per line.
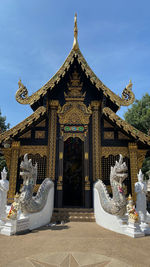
(132, 214)
(4, 187)
(141, 190)
(14, 208)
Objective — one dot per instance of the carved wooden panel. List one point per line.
(107, 124)
(108, 135)
(41, 124)
(39, 134)
(26, 135)
(122, 136)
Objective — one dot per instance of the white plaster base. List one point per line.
(29, 221)
(11, 227)
(43, 217)
(109, 221)
(145, 228)
(134, 230)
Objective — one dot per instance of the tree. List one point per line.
(3, 127)
(139, 114)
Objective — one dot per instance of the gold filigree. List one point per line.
(39, 134)
(79, 135)
(133, 166)
(13, 170)
(41, 150)
(109, 135)
(106, 151)
(96, 139)
(141, 157)
(51, 148)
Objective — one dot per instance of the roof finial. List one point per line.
(75, 42)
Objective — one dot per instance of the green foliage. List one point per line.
(3, 127)
(139, 114)
(146, 167)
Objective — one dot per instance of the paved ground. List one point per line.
(74, 244)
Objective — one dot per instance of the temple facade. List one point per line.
(74, 134)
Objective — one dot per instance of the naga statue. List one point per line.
(28, 202)
(117, 204)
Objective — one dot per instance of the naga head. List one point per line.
(119, 172)
(28, 171)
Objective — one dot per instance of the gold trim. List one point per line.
(60, 155)
(109, 135)
(41, 150)
(86, 155)
(141, 157)
(106, 151)
(68, 135)
(13, 170)
(133, 166)
(39, 134)
(51, 148)
(75, 42)
(96, 146)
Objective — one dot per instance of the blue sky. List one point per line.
(36, 36)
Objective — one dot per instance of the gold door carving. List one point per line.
(74, 115)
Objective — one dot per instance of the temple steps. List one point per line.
(73, 215)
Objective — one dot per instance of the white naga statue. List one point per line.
(141, 190)
(4, 187)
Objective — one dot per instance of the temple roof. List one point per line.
(19, 128)
(126, 127)
(126, 99)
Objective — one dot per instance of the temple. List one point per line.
(74, 134)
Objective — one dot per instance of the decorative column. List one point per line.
(133, 166)
(15, 150)
(60, 173)
(96, 140)
(87, 196)
(52, 128)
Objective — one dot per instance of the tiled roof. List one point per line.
(19, 128)
(129, 129)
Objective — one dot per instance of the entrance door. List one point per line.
(73, 186)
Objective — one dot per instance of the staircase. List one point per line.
(73, 215)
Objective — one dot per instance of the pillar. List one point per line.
(52, 128)
(133, 166)
(96, 141)
(60, 173)
(15, 150)
(87, 196)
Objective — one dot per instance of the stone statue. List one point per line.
(117, 204)
(28, 202)
(141, 189)
(4, 187)
(132, 214)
